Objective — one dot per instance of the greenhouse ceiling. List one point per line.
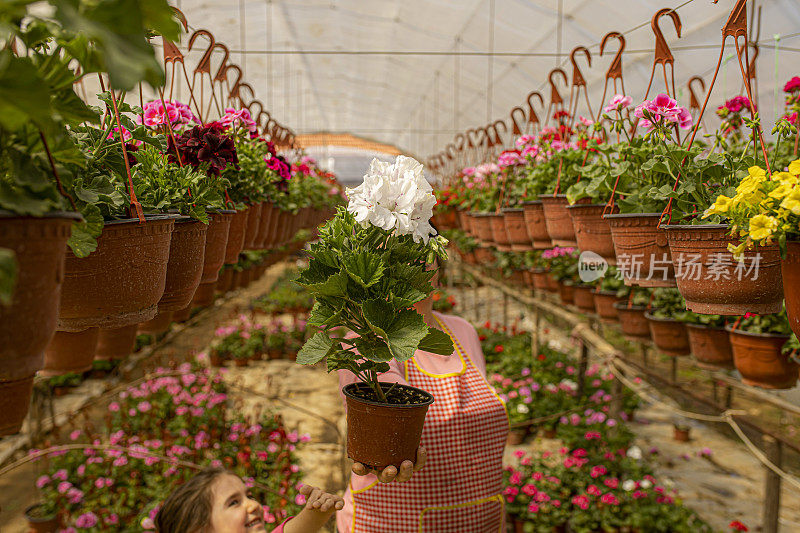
(413, 73)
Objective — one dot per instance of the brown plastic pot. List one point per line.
(157, 325)
(236, 234)
(669, 335)
(516, 437)
(499, 234)
(583, 298)
(527, 278)
(273, 230)
(790, 272)
(380, 434)
(116, 343)
(711, 347)
(516, 229)
(681, 434)
(535, 224)
(184, 314)
(44, 524)
(553, 285)
(708, 278)
(566, 292)
(557, 219)
(642, 247)
(70, 352)
(204, 296)
(28, 323)
(219, 225)
(253, 226)
(540, 277)
(632, 321)
(592, 232)
(604, 305)
(224, 281)
(758, 358)
(122, 281)
(483, 226)
(185, 266)
(461, 216)
(483, 255)
(264, 225)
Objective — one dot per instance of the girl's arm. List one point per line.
(318, 509)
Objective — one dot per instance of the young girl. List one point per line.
(217, 501)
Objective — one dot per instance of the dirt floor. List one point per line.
(724, 486)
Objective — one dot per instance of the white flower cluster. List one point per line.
(395, 196)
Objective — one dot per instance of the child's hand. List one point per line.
(319, 500)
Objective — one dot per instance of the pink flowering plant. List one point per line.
(563, 263)
(242, 339)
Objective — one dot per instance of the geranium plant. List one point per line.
(367, 271)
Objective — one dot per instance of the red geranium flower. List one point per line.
(499, 348)
(736, 525)
(793, 85)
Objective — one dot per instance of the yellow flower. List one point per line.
(782, 190)
(762, 226)
(737, 251)
(757, 172)
(748, 185)
(792, 202)
(794, 167)
(721, 205)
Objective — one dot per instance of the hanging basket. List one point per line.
(533, 213)
(711, 347)
(122, 281)
(592, 231)
(669, 335)
(253, 226)
(70, 352)
(633, 322)
(540, 281)
(641, 249)
(116, 343)
(185, 266)
(235, 241)
(604, 305)
(758, 358)
(583, 298)
(157, 325)
(499, 237)
(712, 281)
(516, 229)
(566, 292)
(264, 225)
(790, 272)
(28, 323)
(217, 237)
(557, 219)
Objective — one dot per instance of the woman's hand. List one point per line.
(390, 473)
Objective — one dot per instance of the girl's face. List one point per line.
(232, 509)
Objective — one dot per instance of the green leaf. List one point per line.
(365, 268)
(8, 275)
(373, 349)
(83, 239)
(414, 275)
(315, 349)
(403, 296)
(403, 330)
(437, 341)
(335, 286)
(316, 272)
(323, 315)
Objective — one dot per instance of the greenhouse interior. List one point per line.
(488, 266)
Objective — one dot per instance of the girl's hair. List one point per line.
(188, 508)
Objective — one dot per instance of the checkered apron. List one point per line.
(459, 489)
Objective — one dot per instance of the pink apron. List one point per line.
(459, 489)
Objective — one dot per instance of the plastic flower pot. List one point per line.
(604, 305)
(527, 278)
(241, 361)
(540, 279)
(499, 234)
(382, 434)
(122, 281)
(264, 225)
(483, 227)
(253, 226)
(669, 335)
(204, 296)
(516, 436)
(216, 359)
(219, 227)
(642, 247)
(236, 234)
(681, 434)
(533, 213)
(70, 352)
(245, 278)
(583, 298)
(28, 323)
(184, 314)
(185, 265)
(758, 358)
(557, 219)
(39, 522)
(566, 292)
(116, 343)
(712, 281)
(790, 272)
(549, 433)
(711, 347)
(592, 231)
(483, 255)
(224, 281)
(632, 321)
(553, 285)
(507, 236)
(157, 325)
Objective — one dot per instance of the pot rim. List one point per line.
(222, 211)
(348, 394)
(149, 217)
(71, 215)
(689, 227)
(550, 195)
(480, 213)
(37, 520)
(531, 202)
(703, 326)
(624, 306)
(729, 329)
(604, 292)
(585, 205)
(632, 215)
(512, 210)
(649, 316)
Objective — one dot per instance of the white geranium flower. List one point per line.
(634, 452)
(646, 484)
(628, 485)
(522, 408)
(395, 196)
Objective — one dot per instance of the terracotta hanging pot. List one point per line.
(253, 226)
(122, 281)
(219, 230)
(566, 292)
(448, 219)
(499, 234)
(583, 298)
(540, 277)
(790, 272)
(592, 232)
(483, 226)
(516, 436)
(245, 278)
(271, 230)
(461, 219)
(224, 281)
(758, 358)
(632, 321)
(557, 219)
(516, 229)
(711, 347)
(70, 352)
(156, 326)
(264, 225)
(533, 212)
(527, 278)
(472, 224)
(641, 249)
(204, 296)
(28, 323)
(714, 283)
(185, 266)
(43, 523)
(604, 305)
(553, 285)
(669, 335)
(381, 434)
(235, 242)
(184, 314)
(483, 255)
(116, 343)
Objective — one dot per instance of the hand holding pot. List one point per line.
(390, 473)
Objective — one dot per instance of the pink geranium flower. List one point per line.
(618, 103)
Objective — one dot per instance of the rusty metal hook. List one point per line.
(517, 127)
(204, 65)
(497, 138)
(555, 96)
(222, 71)
(694, 102)
(663, 55)
(577, 76)
(614, 71)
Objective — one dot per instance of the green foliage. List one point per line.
(668, 303)
(776, 324)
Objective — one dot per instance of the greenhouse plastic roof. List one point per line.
(414, 72)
